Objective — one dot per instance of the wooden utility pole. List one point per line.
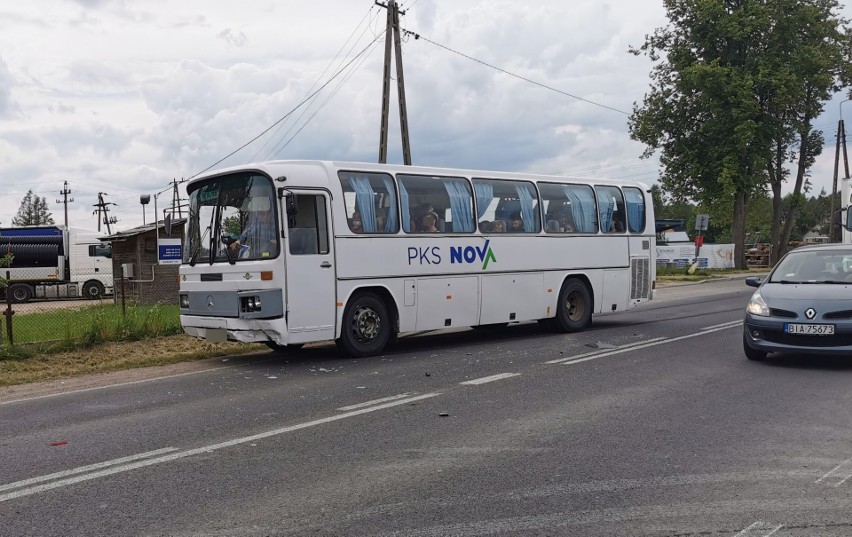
(103, 213)
(64, 192)
(831, 233)
(392, 36)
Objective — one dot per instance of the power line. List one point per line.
(525, 79)
(308, 98)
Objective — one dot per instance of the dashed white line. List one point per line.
(197, 451)
(485, 380)
(728, 324)
(760, 527)
(831, 472)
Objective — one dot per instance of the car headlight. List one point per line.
(756, 306)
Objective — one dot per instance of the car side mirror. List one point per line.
(753, 281)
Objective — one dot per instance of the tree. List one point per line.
(33, 212)
(720, 103)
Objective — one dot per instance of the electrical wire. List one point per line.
(525, 79)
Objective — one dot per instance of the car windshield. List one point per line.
(814, 266)
(231, 218)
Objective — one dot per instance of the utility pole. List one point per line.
(103, 212)
(64, 192)
(392, 35)
(176, 201)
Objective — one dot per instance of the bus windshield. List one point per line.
(232, 218)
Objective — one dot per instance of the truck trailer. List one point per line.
(55, 262)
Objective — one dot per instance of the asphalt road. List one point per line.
(650, 423)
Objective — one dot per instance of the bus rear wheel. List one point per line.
(574, 310)
(367, 326)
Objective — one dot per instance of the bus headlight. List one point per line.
(250, 304)
(756, 306)
(184, 301)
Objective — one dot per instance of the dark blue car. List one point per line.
(803, 306)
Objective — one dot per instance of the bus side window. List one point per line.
(308, 230)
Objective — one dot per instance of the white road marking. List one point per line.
(83, 469)
(595, 353)
(831, 472)
(760, 527)
(374, 402)
(485, 380)
(205, 449)
(574, 360)
(725, 325)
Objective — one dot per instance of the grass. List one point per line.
(99, 339)
(670, 274)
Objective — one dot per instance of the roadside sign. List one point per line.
(169, 252)
(701, 222)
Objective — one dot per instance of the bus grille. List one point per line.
(640, 278)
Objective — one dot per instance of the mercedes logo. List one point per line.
(210, 302)
(810, 313)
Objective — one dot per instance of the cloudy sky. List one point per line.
(122, 97)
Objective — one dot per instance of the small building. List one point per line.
(138, 275)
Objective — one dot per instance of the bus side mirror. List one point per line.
(289, 201)
(848, 220)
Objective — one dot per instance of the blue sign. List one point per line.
(169, 252)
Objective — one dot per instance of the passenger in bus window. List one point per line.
(430, 223)
(517, 224)
(617, 225)
(499, 227)
(355, 224)
(486, 226)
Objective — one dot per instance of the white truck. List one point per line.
(55, 262)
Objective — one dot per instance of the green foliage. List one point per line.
(97, 324)
(5, 261)
(33, 211)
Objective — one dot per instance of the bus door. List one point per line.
(311, 282)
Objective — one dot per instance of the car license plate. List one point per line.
(809, 329)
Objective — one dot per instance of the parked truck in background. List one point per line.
(56, 262)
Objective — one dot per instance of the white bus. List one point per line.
(358, 253)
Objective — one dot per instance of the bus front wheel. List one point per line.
(367, 326)
(574, 310)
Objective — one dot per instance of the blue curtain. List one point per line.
(528, 212)
(461, 205)
(484, 196)
(635, 210)
(582, 208)
(390, 224)
(606, 204)
(404, 207)
(365, 202)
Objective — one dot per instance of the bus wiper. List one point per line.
(197, 251)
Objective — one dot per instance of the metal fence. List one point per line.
(90, 306)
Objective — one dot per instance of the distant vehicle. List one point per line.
(803, 306)
(56, 262)
(291, 252)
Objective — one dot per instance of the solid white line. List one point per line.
(82, 469)
(374, 402)
(207, 449)
(833, 470)
(728, 324)
(600, 351)
(485, 380)
(637, 347)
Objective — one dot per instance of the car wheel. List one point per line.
(752, 354)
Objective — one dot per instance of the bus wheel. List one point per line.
(20, 292)
(367, 326)
(574, 310)
(284, 349)
(93, 290)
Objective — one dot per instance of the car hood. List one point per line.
(798, 297)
